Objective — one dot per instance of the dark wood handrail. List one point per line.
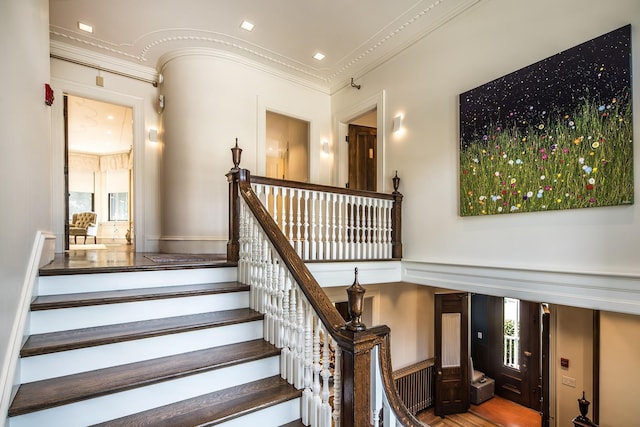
(356, 346)
(318, 187)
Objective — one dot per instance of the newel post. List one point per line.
(233, 178)
(396, 219)
(357, 343)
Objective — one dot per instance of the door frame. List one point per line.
(342, 119)
(62, 87)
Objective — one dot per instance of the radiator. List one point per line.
(415, 385)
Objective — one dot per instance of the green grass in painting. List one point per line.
(578, 160)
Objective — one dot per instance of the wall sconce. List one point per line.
(153, 135)
(325, 147)
(397, 123)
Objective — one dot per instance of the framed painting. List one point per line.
(554, 135)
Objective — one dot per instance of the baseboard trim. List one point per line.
(42, 253)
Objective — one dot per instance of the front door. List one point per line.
(362, 158)
(517, 357)
(451, 354)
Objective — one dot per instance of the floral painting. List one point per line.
(554, 135)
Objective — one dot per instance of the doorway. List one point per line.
(287, 148)
(363, 152)
(98, 172)
(506, 345)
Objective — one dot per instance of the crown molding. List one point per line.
(105, 62)
(229, 56)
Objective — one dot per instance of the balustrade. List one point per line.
(343, 370)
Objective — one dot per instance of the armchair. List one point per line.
(83, 224)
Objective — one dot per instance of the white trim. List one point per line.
(598, 291)
(342, 119)
(73, 53)
(61, 87)
(41, 253)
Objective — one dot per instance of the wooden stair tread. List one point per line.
(47, 302)
(53, 392)
(99, 335)
(296, 423)
(213, 408)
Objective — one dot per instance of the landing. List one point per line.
(122, 259)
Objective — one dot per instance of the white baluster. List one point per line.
(307, 394)
(282, 309)
(305, 243)
(321, 225)
(337, 384)
(357, 229)
(317, 400)
(275, 204)
(312, 226)
(325, 409)
(340, 231)
(376, 388)
(327, 231)
(299, 225)
(334, 200)
(300, 340)
(291, 224)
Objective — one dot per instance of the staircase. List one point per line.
(158, 348)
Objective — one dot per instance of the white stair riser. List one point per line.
(85, 317)
(273, 416)
(76, 283)
(52, 365)
(140, 399)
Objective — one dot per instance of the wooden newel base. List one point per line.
(356, 375)
(233, 245)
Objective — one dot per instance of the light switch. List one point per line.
(479, 335)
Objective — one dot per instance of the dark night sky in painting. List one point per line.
(598, 70)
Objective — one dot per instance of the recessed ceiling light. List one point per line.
(319, 56)
(109, 117)
(85, 27)
(246, 25)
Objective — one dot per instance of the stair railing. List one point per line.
(326, 223)
(344, 371)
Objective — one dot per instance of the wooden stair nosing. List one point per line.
(49, 393)
(213, 408)
(296, 423)
(52, 302)
(52, 342)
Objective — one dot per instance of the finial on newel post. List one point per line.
(236, 153)
(355, 295)
(396, 182)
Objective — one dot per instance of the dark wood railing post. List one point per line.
(233, 178)
(396, 219)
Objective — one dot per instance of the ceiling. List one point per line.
(99, 128)
(355, 35)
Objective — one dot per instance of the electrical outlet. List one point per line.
(571, 382)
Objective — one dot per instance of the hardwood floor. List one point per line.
(495, 412)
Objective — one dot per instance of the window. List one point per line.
(511, 324)
(118, 206)
(80, 202)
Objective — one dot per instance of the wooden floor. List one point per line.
(116, 256)
(495, 412)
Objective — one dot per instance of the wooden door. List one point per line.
(452, 386)
(363, 146)
(521, 383)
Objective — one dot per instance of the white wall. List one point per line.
(211, 100)
(25, 160)
(572, 339)
(488, 41)
(619, 369)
